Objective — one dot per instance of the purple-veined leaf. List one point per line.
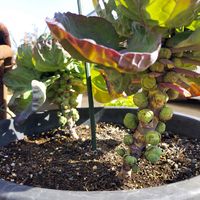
(80, 36)
(176, 87)
(187, 73)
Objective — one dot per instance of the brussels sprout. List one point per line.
(74, 114)
(130, 160)
(157, 67)
(152, 137)
(140, 100)
(130, 121)
(135, 168)
(165, 53)
(165, 114)
(161, 127)
(159, 99)
(131, 89)
(121, 152)
(148, 83)
(172, 94)
(171, 77)
(62, 120)
(145, 115)
(128, 139)
(73, 101)
(153, 154)
(65, 102)
(178, 62)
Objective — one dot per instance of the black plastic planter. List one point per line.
(181, 124)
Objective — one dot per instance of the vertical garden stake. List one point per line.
(91, 106)
(90, 96)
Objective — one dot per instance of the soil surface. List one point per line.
(57, 161)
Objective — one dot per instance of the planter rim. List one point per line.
(182, 190)
(130, 108)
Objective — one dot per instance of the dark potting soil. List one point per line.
(57, 161)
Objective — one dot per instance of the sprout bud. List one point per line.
(148, 83)
(171, 77)
(161, 127)
(130, 160)
(172, 94)
(62, 120)
(178, 62)
(152, 137)
(121, 152)
(130, 121)
(140, 100)
(178, 54)
(158, 100)
(145, 115)
(135, 168)
(157, 67)
(165, 53)
(153, 154)
(165, 114)
(131, 89)
(128, 139)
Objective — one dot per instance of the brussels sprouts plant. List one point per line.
(149, 49)
(45, 74)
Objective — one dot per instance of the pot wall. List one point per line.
(180, 124)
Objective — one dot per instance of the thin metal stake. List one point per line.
(90, 96)
(91, 106)
(79, 7)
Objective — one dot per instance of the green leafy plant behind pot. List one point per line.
(45, 75)
(151, 51)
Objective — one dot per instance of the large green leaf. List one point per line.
(178, 38)
(109, 10)
(168, 13)
(117, 83)
(24, 55)
(48, 55)
(195, 23)
(132, 9)
(38, 95)
(19, 79)
(19, 101)
(192, 40)
(172, 13)
(100, 89)
(143, 40)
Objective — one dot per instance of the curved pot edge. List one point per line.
(183, 190)
(187, 189)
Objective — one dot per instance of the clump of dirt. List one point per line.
(57, 161)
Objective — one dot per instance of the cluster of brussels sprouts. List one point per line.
(146, 129)
(46, 62)
(146, 133)
(64, 93)
(148, 125)
(164, 80)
